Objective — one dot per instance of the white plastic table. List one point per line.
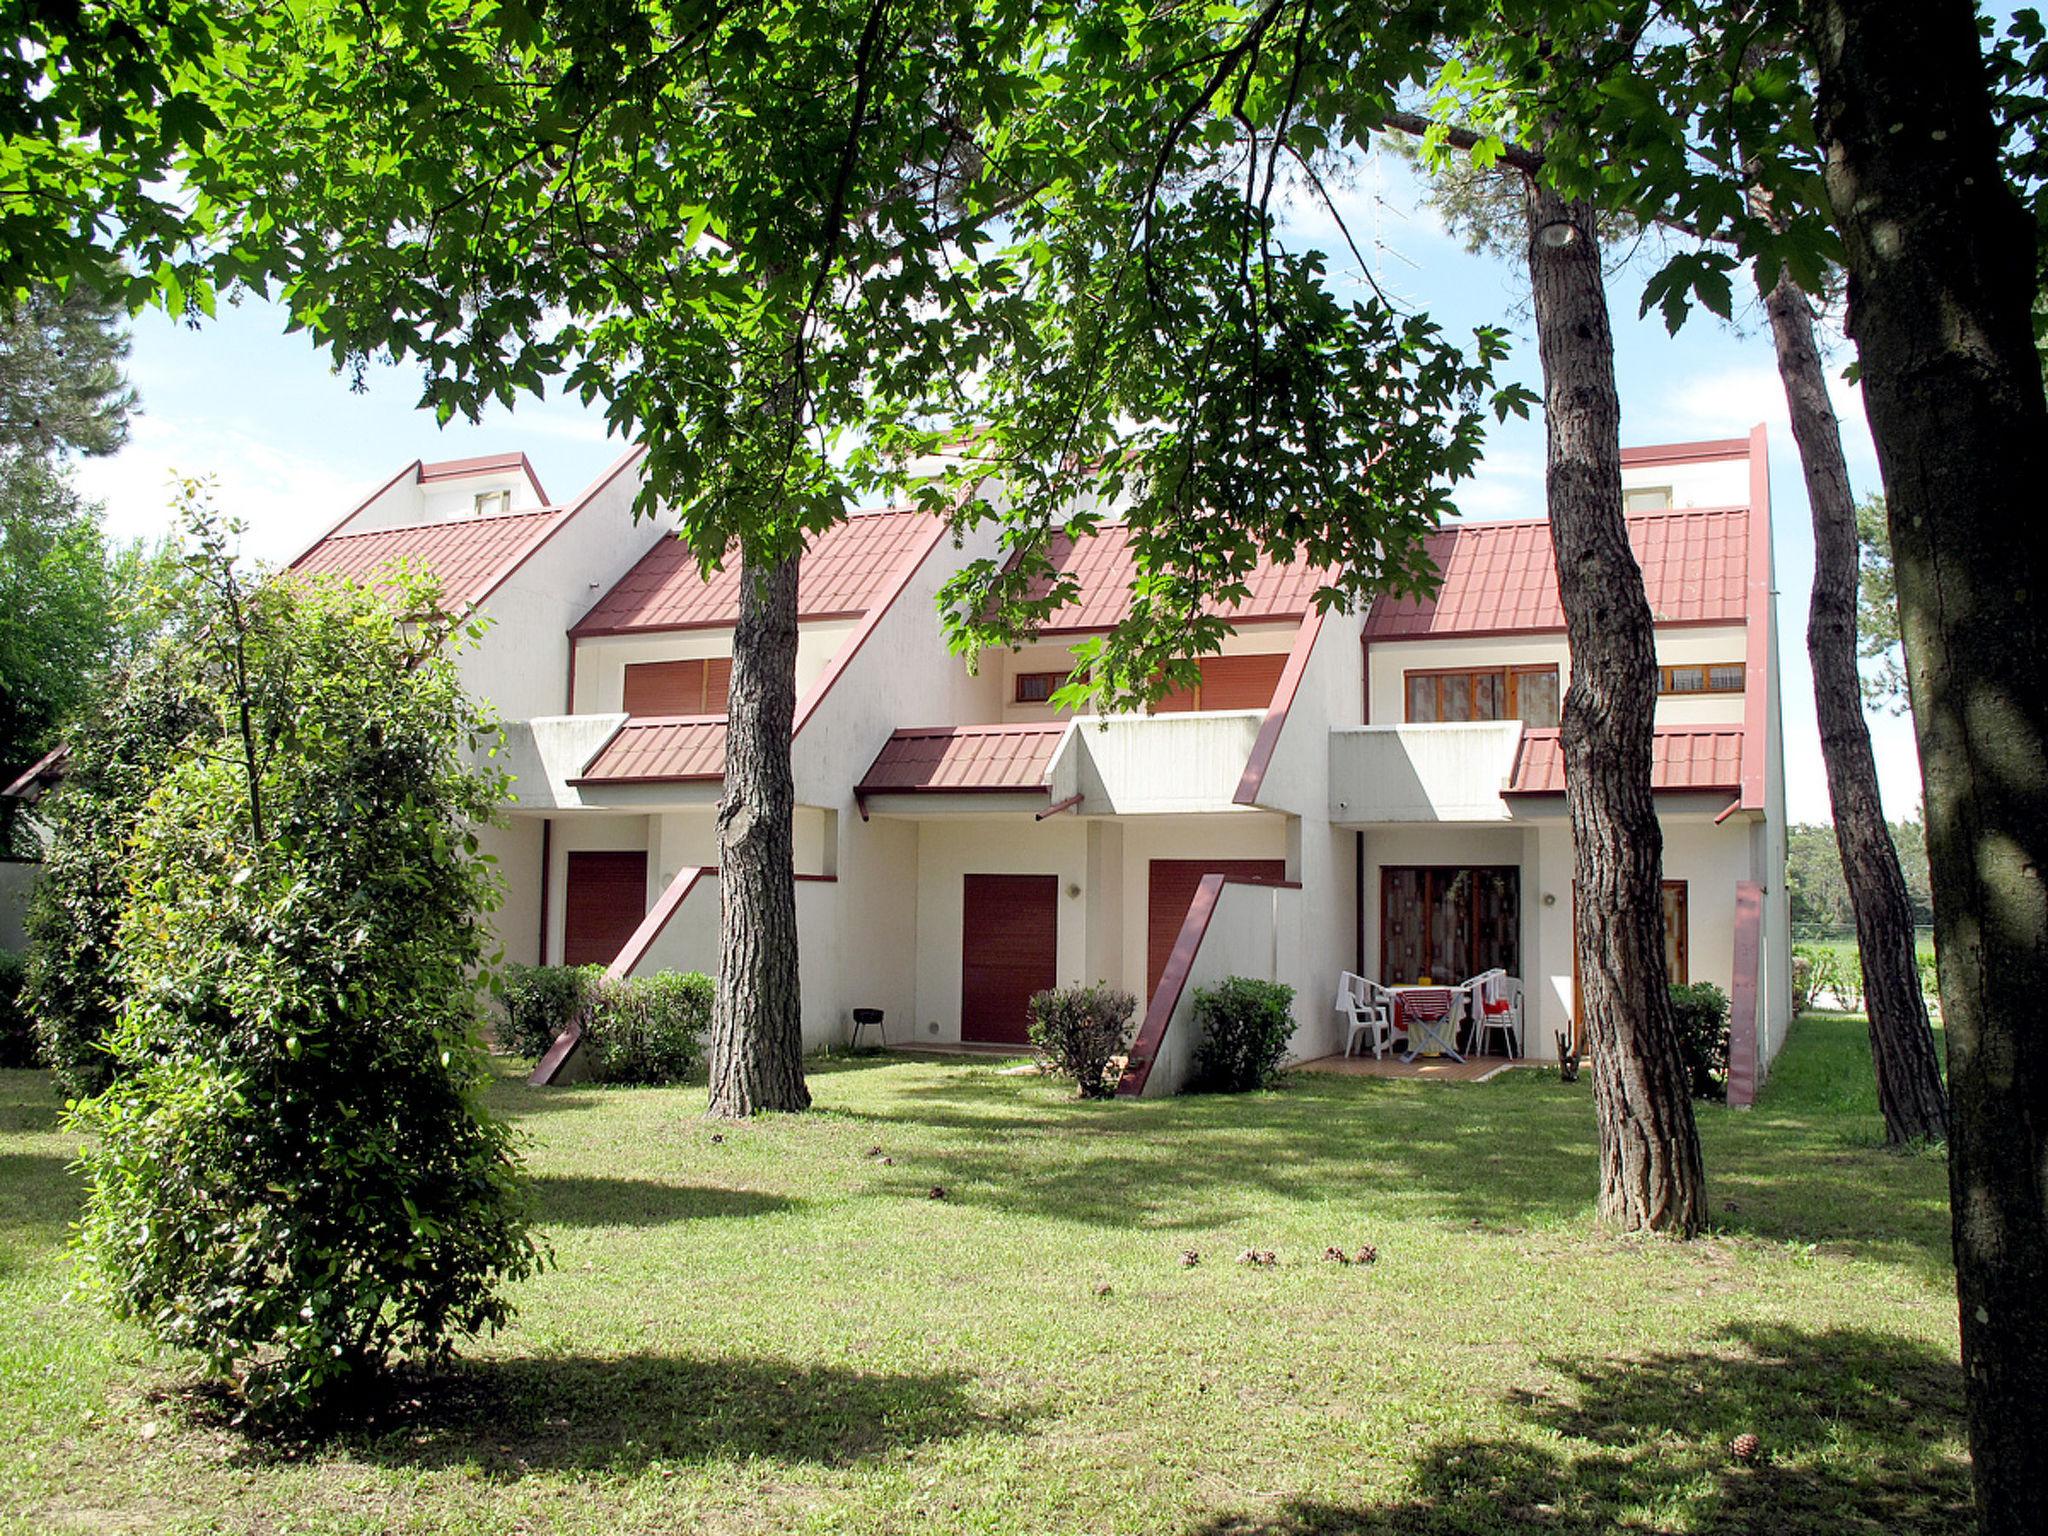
(1427, 1012)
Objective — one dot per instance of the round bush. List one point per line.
(1079, 1030)
(1243, 1028)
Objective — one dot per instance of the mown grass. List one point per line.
(777, 1331)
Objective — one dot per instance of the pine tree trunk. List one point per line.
(1909, 1090)
(1941, 261)
(757, 1018)
(1651, 1177)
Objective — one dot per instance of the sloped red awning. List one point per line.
(963, 759)
(1684, 759)
(659, 751)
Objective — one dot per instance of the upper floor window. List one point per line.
(493, 503)
(694, 687)
(1710, 677)
(1527, 694)
(1228, 682)
(1647, 498)
(1037, 687)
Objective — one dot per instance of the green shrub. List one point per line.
(649, 1029)
(17, 1038)
(1930, 975)
(1079, 1029)
(540, 1002)
(1700, 1011)
(1816, 968)
(1243, 1026)
(116, 755)
(293, 1172)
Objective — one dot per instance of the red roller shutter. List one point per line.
(1009, 949)
(1172, 885)
(1240, 682)
(605, 901)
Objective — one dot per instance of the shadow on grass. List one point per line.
(567, 1201)
(505, 1418)
(37, 1187)
(1857, 1429)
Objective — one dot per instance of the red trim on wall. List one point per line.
(1172, 982)
(570, 707)
(1757, 618)
(1174, 979)
(1683, 453)
(354, 512)
(624, 462)
(1745, 1062)
(807, 706)
(1364, 679)
(1276, 712)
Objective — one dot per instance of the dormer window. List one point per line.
(1647, 498)
(493, 503)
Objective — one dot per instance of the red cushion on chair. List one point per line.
(1505, 1005)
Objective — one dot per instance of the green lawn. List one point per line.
(777, 1331)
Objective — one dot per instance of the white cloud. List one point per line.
(1727, 402)
(286, 498)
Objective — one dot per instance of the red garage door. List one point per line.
(1009, 949)
(1173, 883)
(606, 899)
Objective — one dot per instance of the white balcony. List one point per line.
(1422, 773)
(1140, 765)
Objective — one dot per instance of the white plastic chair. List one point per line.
(1360, 1012)
(1496, 1005)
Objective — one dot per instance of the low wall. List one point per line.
(1233, 928)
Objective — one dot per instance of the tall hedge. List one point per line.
(292, 1171)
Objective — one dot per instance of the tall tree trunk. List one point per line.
(1651, 1177)
(1941, 261)
(1909, 1087)
(757, 1036)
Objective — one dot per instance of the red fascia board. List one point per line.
(410, 470)
(807, 706)
(42, 768)
(619, 465)
(1173, 980)
(1237, 626)
(1268, 740)
(605, 780)
(1757, 616)
(1684, 453)
(1548, 629)
(950, 789)
(580, 633)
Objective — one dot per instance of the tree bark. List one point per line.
(757, 1036)
(1651, 1177)
(1909, 1090)
(1941, 261)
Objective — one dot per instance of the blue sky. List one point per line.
(293, 446)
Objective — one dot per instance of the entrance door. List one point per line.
(1172, 884)
(1009, 949)
(1449, 922)
(606, 899)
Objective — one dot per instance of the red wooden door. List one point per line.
(1009, 949)
(1172, 884)
(606, 899)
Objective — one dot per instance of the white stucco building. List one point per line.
(1378, 791)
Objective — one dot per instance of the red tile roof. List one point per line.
(1103, 565)
(659, 752)
(1682, 758)
(468, 554)
(963, 759)
(847, 569)
(1502, 578)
